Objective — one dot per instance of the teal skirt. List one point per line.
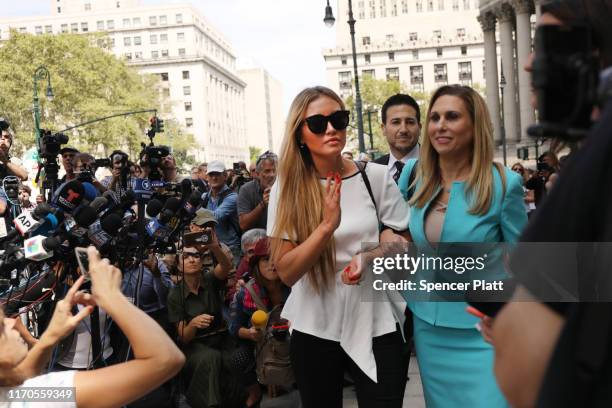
(456, 367)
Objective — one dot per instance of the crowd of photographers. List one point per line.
(195, 263)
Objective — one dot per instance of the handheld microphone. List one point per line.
(41, 218)
(40, 247)
(154, 207)
(102, 231)
(90, 191)
(170, 208)
(69, 196)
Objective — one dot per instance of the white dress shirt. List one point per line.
(413, 154)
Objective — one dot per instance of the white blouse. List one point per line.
(341, 312)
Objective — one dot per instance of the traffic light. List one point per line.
(522, 153)
(159, 125)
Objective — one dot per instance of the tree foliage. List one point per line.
(254, 153)
(88, 82)
(374, 93)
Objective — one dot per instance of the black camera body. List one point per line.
(152, 156)
(51, 144)
(565, 79)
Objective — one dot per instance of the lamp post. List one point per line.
(502, 84)
(329, 21)
(40, 74)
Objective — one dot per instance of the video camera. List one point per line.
(566, 81)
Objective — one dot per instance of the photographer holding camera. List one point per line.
(9, 165)
(156, 357)
(550, 353)
(253, 197)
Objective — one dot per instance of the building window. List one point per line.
(187, 106)
(84, 27)
(416, 78)
(154, 54)
(404, 6)
(465, 73)
(415, 54)
(49, 29)
(372, 9)
(185, 74)
(164, 53)
(163, 20)
(394, 8)
(163, 38)
(127, 22)
(464, 50)
(429, 5)
(180, 37)
(368, 58)
(370, 73)
(59, 10)
(127, 41)
(179, 19)
(128, 56)
(187, 90)
(99, 24)
(74, 27)
(392, 74)
(181, 52)
(419, 6)
(38, 30)
(136, 22)
(391, 56)
(437, 34)
(440, 74)
(461, 32)
(345, 79)
(413, 36)
(390, 37)
(441, 5)
(365, 40)
(153, 20)
(118, 4)
(163, 76)
(439, 51)
(110, 24)
(138, 55)
(343, 60)
(189, 122)
(137, 40)
(466, 4)
(153, 39)
(455, 5)
(87, 6)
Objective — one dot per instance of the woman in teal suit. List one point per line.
(459, 195)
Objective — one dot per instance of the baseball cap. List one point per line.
(261, 249)
(215, 167)
(68, 150)
(203, 216)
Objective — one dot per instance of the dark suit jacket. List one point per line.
(384, 160)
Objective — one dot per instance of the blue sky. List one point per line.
(285, 37)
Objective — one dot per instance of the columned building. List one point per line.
(513, 20)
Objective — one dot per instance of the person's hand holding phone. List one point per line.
(202, 321)
(485, 326)
(105, 278)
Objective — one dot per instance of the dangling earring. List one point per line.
(302, 146)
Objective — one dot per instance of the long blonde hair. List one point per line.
(300, 203)
(480, 181)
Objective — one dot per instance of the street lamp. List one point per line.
(502, 84)
(40, 74)
(329, 21)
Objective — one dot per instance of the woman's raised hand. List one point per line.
(331, 208)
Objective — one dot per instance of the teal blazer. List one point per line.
(503, 222)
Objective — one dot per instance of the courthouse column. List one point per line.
(505, 16)
(524, 9)
(487, 21)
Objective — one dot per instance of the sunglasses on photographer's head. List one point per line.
(195, 255)
(266, 156)
(318, 123)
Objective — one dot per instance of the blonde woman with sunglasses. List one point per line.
(320, 212)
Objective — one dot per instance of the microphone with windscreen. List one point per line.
(69, 196)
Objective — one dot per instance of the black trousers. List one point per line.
(319, 367)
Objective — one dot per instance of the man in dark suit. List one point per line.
(401, 125)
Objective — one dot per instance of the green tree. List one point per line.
(254, 153)
(88, 82)
(374, 92)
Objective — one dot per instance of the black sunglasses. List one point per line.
(195, 255)
(318, 123)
